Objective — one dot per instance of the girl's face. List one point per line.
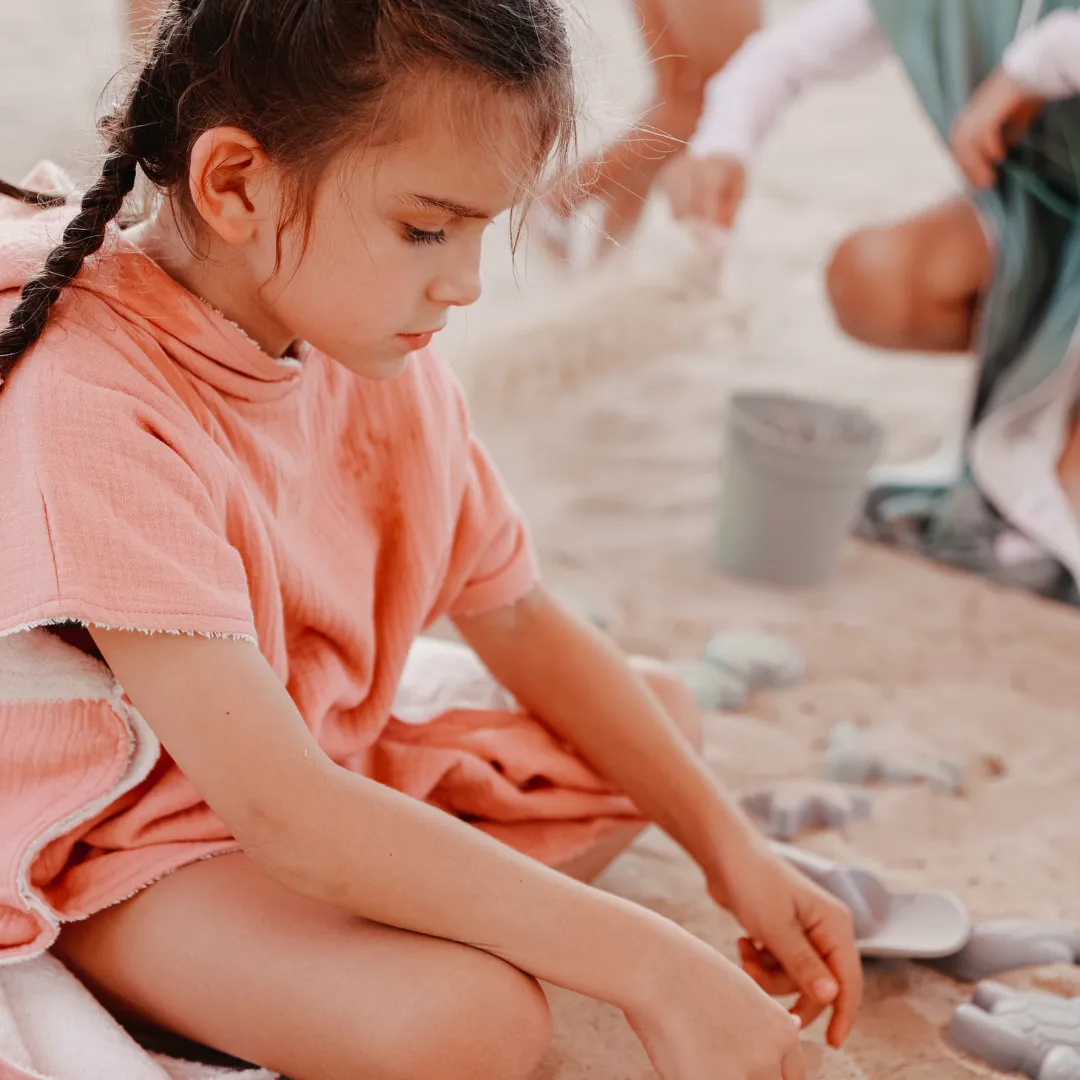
(394, 243)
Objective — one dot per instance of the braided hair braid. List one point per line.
(84, 235)
(34, 198)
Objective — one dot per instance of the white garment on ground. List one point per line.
(442, 676)
(838, 39)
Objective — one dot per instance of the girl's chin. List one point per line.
(380, 368)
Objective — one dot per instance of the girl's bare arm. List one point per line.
(577, 682)
(228, 722)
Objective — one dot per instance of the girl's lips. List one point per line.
(417, 341)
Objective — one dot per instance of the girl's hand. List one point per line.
(800, 939)
(705, 1020)
(999, 112)
(708, 189)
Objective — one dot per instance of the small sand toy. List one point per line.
(1009, 944)
(736, 665)
(915, 926)
(1029, 1032)
(762, 661)
(858, 755)
(713, 687)
(787, 812)
(792, 480)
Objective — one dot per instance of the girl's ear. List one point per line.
(229, 180)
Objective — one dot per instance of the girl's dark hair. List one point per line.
(305, 78)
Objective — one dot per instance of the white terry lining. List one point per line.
(440, 676)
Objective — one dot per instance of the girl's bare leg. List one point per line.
(219, 954)
(915, 285)
(688, 41)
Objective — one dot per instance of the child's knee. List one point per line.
(493, 1022)
(870, 287)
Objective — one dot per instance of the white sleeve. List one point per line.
(1045, 60)
(827, 39)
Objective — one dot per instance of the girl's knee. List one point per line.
(491, 1021)
(869, 282)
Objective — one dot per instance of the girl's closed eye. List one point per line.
(424, 236)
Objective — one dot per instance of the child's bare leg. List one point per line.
(688, 41)
(220, 954)
(914, 285)
(683, 709)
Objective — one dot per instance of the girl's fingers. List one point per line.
(979, 144)
(750, 950)
(710, 200)
(763, 968)
(775, 984)
(985, 166)
(806, 1009)
(961, 149)
(993, 143)
(846, 964)
(728, 205)
(678, 191)
(832, 937)
(972, 162)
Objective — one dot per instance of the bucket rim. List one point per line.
(741, 413)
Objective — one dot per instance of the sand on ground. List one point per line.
(603, 399)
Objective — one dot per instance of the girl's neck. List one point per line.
(216, 274)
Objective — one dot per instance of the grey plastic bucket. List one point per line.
(792, 481)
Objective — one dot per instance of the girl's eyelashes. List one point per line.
(422, 236)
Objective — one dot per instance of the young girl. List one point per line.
(235, 472)
(995, 270)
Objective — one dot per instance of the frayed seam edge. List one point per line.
(37, 624)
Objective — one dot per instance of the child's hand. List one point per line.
(999, 112)
(705, 1020)
(801, 939)
(708, 189)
